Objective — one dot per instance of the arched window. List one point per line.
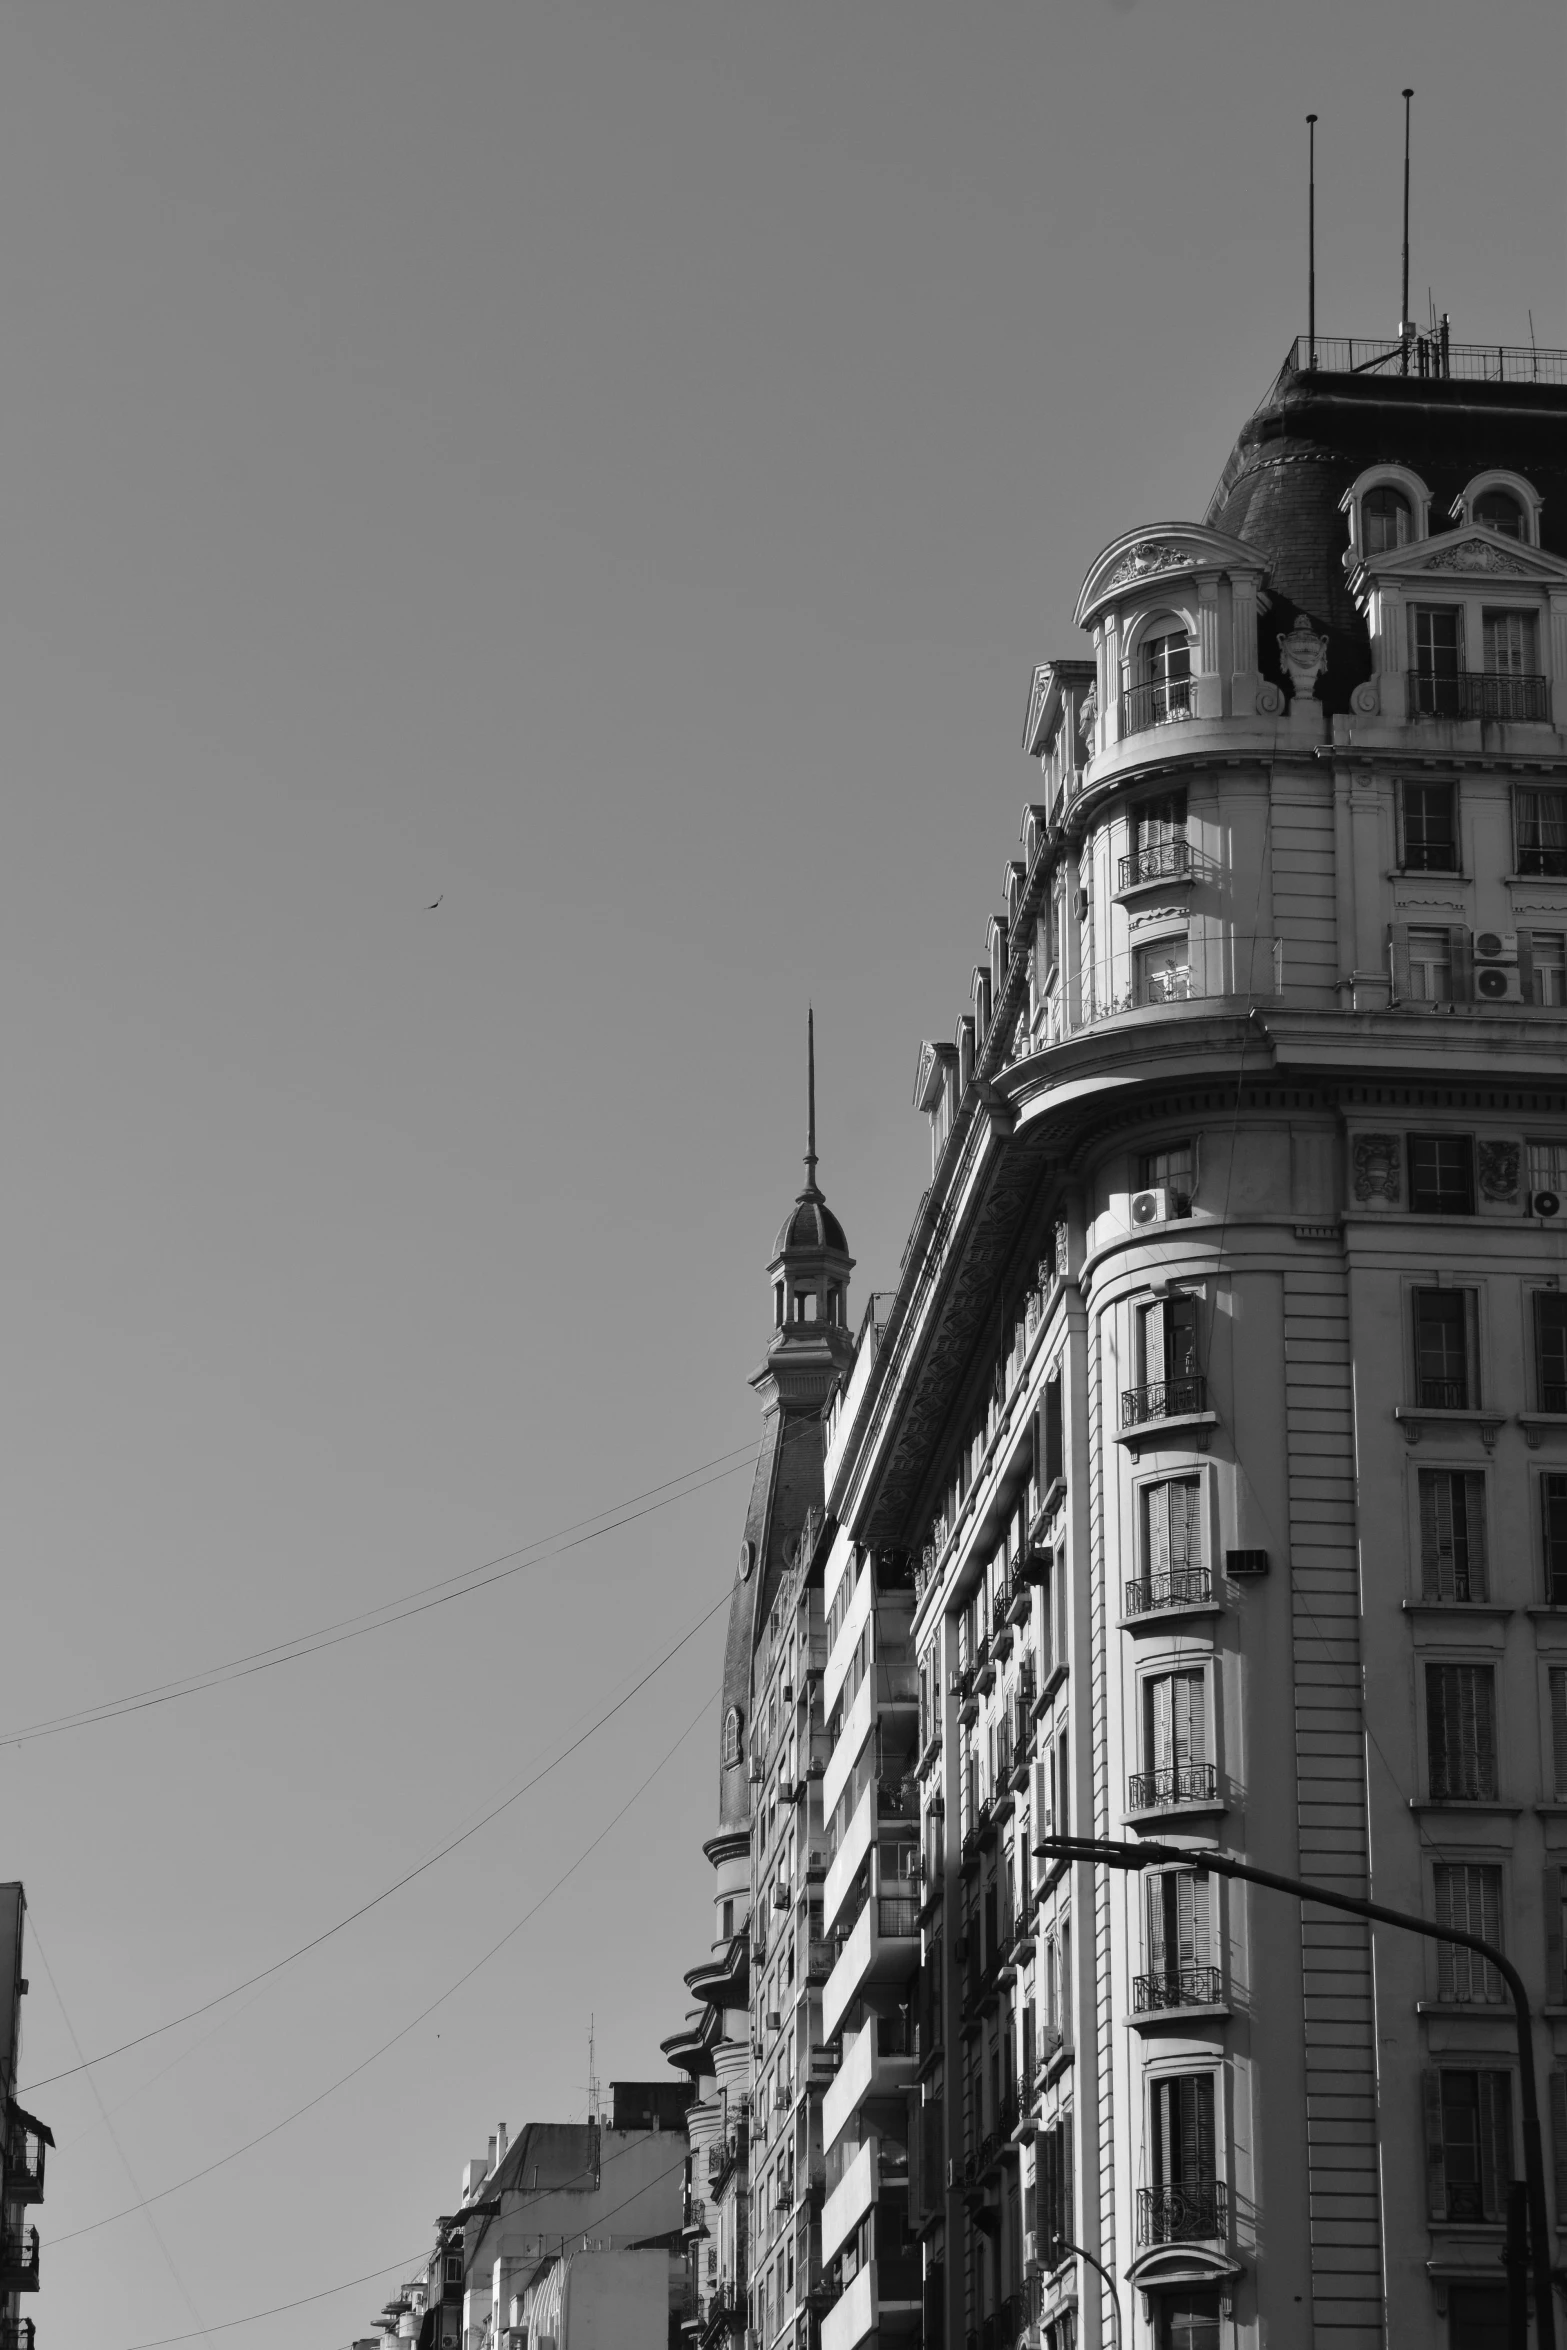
(1387, 519)
(732, 1736)
(1161, 688)
(1500, 510)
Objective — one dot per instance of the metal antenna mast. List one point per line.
(593, 2079)
(1311, 245)
(1406, 325)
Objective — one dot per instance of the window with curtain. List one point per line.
(1452, 1535)
(1540, 828)
(1469, 1899)
(1171, 1169)
(1169, 1339)
(1162, 971)
(1469, 2143)
(1461, 1733)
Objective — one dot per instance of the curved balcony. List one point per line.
(1187, 1986)
(1174, 1786)
(1181, 1587)
(1163, 860)
(1161, 701)
(1195, 2212)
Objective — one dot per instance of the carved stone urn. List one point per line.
(1305, 655)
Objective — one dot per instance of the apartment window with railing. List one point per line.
(1469, 2143)
(1185, 2203)
(1429, 813)
(1446, 1352)
(1452, 1535)
(1540, 828)
(1550, 1348)
(1159, 850)
(1181, 1972)
(1178, 1764)
(1441, 1174)
(1161, 689)
(1461, 1733)
(1437, 657)
(1167, 1352)
(1469, 1899)
(1175, 1562)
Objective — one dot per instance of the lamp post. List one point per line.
(1062, 2245)
(1223, 1864)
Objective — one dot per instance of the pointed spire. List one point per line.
(810, 1066)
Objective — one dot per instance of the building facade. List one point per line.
(25, 2140)
(1205, 1476)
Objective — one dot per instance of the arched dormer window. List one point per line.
(1158, 673)
(1503, 502)
(1388, 507)
(733, 1736)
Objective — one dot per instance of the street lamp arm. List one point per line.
(1063, 2245)
(1223, 1864)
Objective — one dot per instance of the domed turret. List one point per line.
(810, 1264)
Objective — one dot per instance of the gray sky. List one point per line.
(614, 467)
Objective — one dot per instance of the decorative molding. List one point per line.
(1499, 1162)
(1149, 556)
(1366, 700)
(1477, 555)
(1378, 1168)
(1270, 699)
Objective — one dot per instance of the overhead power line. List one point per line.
(157, 2031)
(394, 1611)
(321, 2096)
(350, 2284)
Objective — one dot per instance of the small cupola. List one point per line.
(810, 1264)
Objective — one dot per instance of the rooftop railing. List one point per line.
(1432, 356)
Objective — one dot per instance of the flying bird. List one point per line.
(431, 909)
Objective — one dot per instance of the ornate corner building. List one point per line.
(1203, 1479)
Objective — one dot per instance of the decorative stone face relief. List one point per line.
(1376, 1161)
(1147, 557)
(1305, 655)
(1499, 1162)
(1475, 555)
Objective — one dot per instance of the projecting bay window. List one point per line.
(1461, 1733)
(1452, 1535)
(1469, 1899)
(1540, 829)
(1469, 2143)
(1180, 1972)
(1446, 1351)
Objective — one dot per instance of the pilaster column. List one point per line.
(1557, 656)
(1208, 685)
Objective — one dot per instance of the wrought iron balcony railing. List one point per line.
(1187, 1986)
(1164, 860)
(1196, 2212)
(1479, 693)
(1180, 1587)
(1159, 702)
(1444, 1395)
(16, 2333)
(1173, 1783)
(1163, 1399)
(19, 2261)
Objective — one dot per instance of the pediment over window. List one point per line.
(1182, 2264)
(1167, 551)
(1471, 553)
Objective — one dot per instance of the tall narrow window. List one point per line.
(1550, 1345)
(1558, 1687)
(1437, 647)
(1430, 827)
(1469, 1899)
(1553, 1504)
(1180, 1953)
(1387, 519)
(1469, 2143)
(1185, 2206)
(1159, 850)
(1175, 1561)
(1166, 665)
(1441, 1174)
(1548, 958)
(1431, 966)
(1461, 1733)
(1175, 1742)
(1512, 646)
(1444, 1350)
(1452, 1535)
(1169, 1339)
(1540, 821)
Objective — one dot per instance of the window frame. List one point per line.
(1450, 1955)
(1414, 1139)
(1516, 485)
(1553, 859)
(1474, 1351)
(1422, 783)
(1391, 477)
(1418, 1471)
(1479, 1661)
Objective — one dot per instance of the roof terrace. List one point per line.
(1435, 357)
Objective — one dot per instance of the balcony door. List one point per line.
(1177, 1722)
(1437, 657)
(1184, 2148)
(1177, 1923)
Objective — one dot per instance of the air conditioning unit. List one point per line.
(774, 2020)
(1153, 1207)
(786, 1693)
(1496, 946)
(1498, 983)
(1545, 1203)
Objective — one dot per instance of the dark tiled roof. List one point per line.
(1314, 435)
